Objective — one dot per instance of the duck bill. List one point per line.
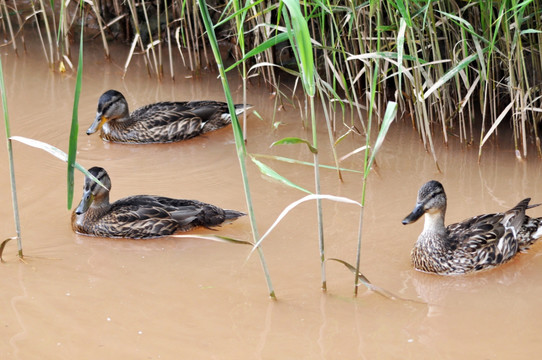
(97, 124)
(414, 215)
(85, 203)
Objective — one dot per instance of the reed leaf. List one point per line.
(3, 245)
(363, 279)
(301, 43)
(450, 74)
(295, 140)
(290, 207)
(74, 130)
(266, 170)
(56, 152)
(277, 39)
(389, 116)
(496, 123)
(306, 163)
(218, 238)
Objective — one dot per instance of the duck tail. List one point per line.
(530, 232)
(232, 214)
(241, 108)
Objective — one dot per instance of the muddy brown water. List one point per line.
(84, 297)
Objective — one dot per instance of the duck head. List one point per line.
(111, 106)
(431, 199)
(93, 193)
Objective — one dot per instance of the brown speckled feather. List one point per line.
(477, 243)
(141, 216)
(161, 122)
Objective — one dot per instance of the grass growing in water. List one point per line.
(455, 68)
(14, 201)
(239, 141)
(444, 63)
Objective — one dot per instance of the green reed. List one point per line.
(466, 67)
(458, 69)
(14, 201)
(239, 140)
(74, 130)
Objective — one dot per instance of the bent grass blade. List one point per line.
(219, 238)
(266, 170)
(3, 245)
(56, 152)
(300, 201)
(306, 163)
(369, 285)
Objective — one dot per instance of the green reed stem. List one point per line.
(366, 168)
(318, 200)
(11, 164)
(366, 162)
(72, 150)
(300, 38)
(239, 21)
(239, 141)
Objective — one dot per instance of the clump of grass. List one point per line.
(444, 64)
(460, 69)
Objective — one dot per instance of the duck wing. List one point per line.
(174, 121)
(191, 213)
(167, 122)
(131, 219)
(489, 239)
(161, 216)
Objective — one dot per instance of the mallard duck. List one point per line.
(474, 244)
(161, 122)
(140, 216)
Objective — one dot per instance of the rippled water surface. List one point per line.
(82, 297)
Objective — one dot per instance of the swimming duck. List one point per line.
(474, 244)
(161, 122)
(140, 216)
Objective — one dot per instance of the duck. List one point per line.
(140, 216)
(162, 122)
(478, 243)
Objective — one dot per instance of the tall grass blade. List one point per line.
(301, 44)
(450, 74)
(10, 28)
(14, 201)
(238, 134)
(301, 41)
(74, 130)
(495, 124)
(389, 116)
